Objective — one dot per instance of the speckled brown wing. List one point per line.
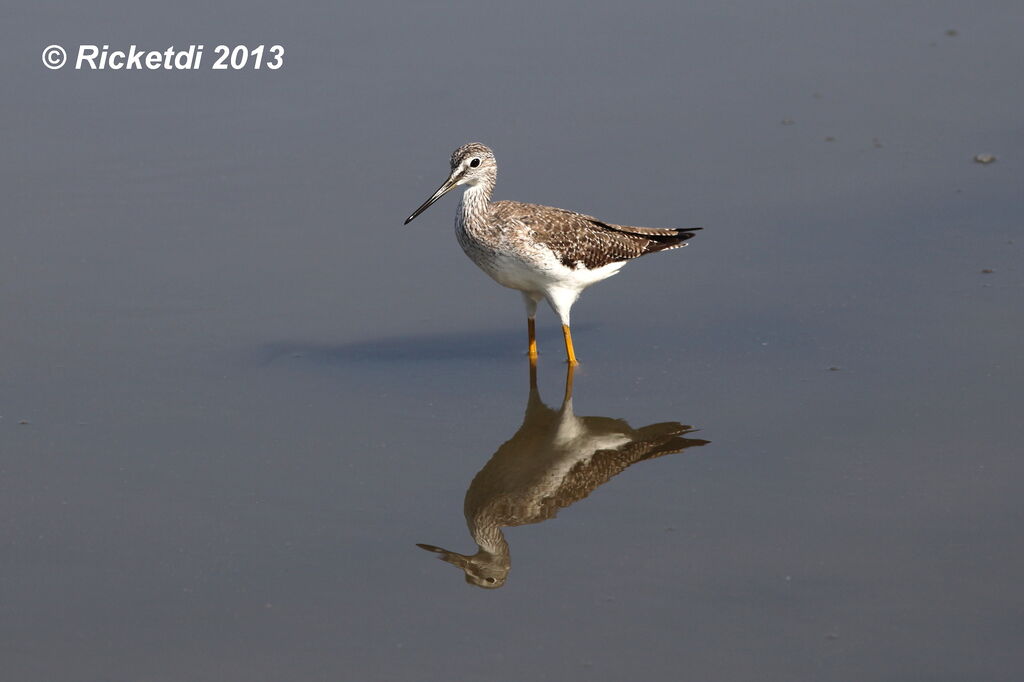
(577, 238)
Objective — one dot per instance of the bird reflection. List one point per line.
(554, 460)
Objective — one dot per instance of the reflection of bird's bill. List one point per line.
(429, 548)
(460, 560)
(448, 186)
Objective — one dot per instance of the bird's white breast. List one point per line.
(527, 265)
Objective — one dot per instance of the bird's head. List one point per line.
(472, 164)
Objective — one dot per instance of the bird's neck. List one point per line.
(475, 205)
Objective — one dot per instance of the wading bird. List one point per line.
(544, 252)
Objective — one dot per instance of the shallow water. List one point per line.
(236, 393)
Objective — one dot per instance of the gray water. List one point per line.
(235, 392)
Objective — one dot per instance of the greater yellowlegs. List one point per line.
(544, 252)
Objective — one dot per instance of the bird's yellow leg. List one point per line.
(570, 368)
(531, 328)
(568, 345)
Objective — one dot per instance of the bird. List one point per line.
(546, 253)
(554, 460)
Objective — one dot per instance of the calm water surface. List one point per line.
(235, 393)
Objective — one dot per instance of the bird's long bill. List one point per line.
(448, 186)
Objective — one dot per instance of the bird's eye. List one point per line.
(474, 163)
(490, 580)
